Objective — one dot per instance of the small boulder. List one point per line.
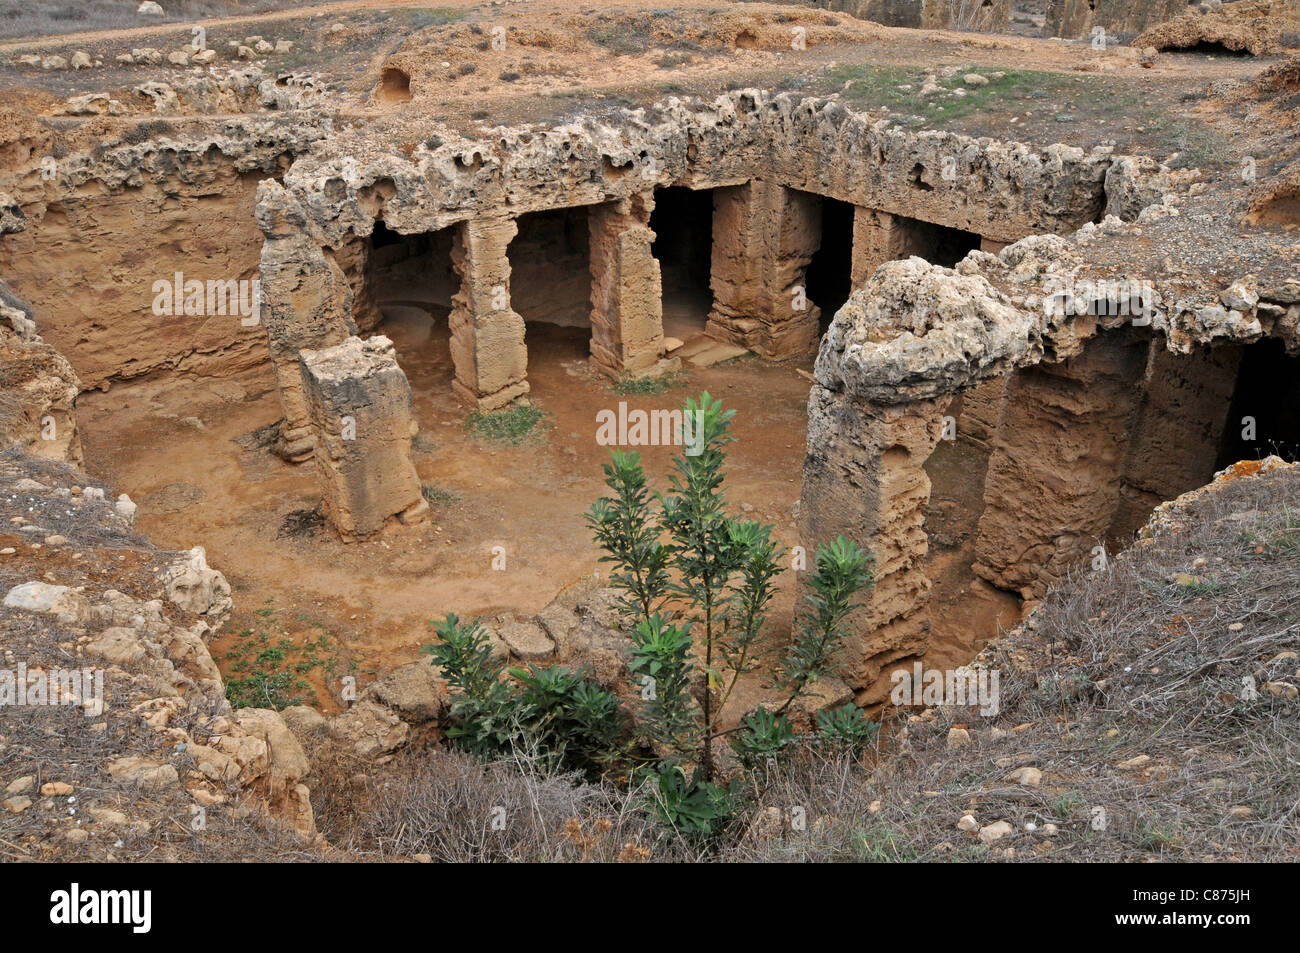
(994, 832)
(1028, 777)
(415, 691)
(143, 773)
(526, 640)
(149, 9)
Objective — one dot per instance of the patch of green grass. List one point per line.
(268, 670)
(421, 17)
(1158, 837)
(879, 844)
(630, 384)
(618, 38)
(437, 496)
(1197, 145)
(513, 425)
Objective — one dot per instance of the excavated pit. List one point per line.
(543, 266)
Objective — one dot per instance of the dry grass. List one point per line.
(19, 18)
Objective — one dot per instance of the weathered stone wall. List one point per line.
(487, 334)
(114, 221)
(38, 388)
(926, 14)
(1002, 191)
(864, 478)
(1053, 485)
(308, 305)
(1178, 429)
(1072, 19)
(889, 364)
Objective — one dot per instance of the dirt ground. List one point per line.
(172, 445)
(186, 452)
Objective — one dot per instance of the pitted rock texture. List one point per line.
(1001, 190)
(39, 396)
(1252, 27)
(364, 418)
(916, 331)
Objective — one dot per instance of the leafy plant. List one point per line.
(660, 656)
(846, 729)
(694, 806)
(765, 738)
(573, 721)
(841, 572)
(719, 575)
(623, 527)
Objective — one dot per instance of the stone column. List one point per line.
(306, 303)
(487, 336)
(1179, 428)
(627, 327)
(864, 477)
(879, 237)
(363, 420)
(1053, 484)
(764, 236)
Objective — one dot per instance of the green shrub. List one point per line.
(846, 729)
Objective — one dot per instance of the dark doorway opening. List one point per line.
(829, 280)
(550, 283)
(550, 268)
(1267, 397)
(941, 245)
(682, 221)
(406, 296)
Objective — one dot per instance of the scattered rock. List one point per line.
(143, 773)
(958, 737)
(56, 789)
(526, 640)
(149, 9)
(1028, 777)
(415, 691)
(995, 831)
(16, 805)
(968, 823)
